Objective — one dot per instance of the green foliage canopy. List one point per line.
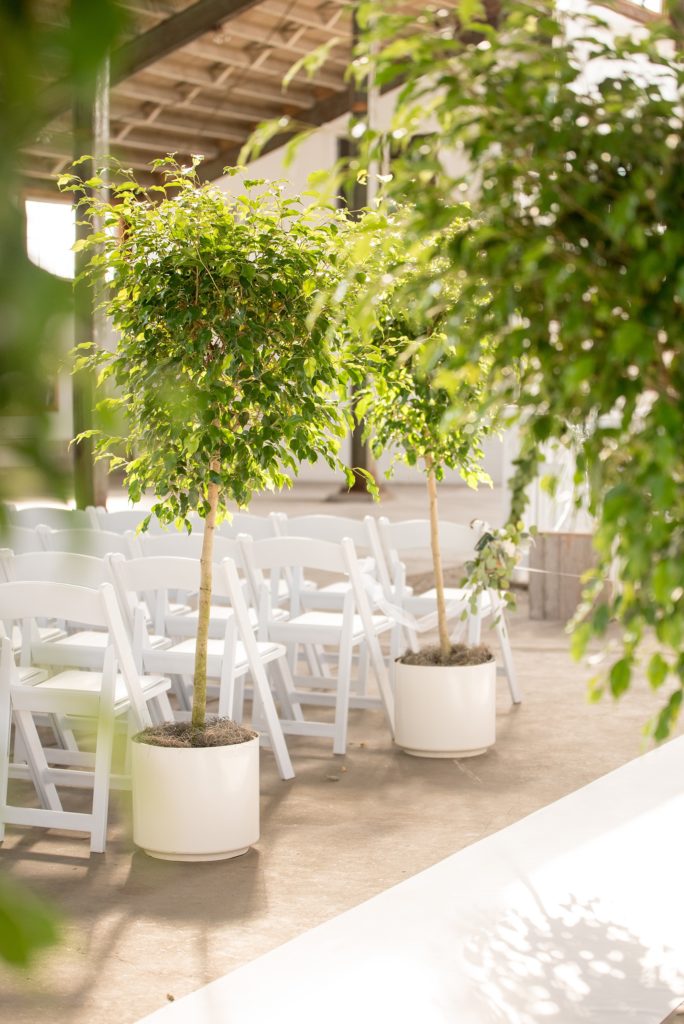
(572, 153)
(404, 397)
(218, 370)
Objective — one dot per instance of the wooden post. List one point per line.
(356, 199)
(91, 136)
(555, 591)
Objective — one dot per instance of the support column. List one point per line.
(357, 197)
(91, 135)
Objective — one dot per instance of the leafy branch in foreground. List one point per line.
(570, 145)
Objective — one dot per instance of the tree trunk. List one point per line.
(444, 638)
(199, 695)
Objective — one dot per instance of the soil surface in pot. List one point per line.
(218, 732)
(460, 654)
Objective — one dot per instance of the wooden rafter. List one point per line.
(160, 41)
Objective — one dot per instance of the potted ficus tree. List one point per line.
(224, 384)
(445, 693)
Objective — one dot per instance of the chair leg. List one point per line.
(360, 684)
(501, 627)
(162, 706)
(47, 791)
(291, 706)
(474, 628)
(179, 688)
(103, 767)
(263, 702)
(342, 698)
(237, 712)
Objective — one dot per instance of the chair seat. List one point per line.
(29, 674)
(426, 601)
(324, 627)
(185, 625)
(83, 650)
(180, 659)
(78, 681)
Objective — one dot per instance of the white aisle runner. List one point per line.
(574, 914)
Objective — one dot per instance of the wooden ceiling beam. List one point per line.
(153, 116)
(61, 158)
(261, 55)
(324, 17)
(241, 84)
(152, 46)
(186, 98)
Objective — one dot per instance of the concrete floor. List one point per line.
(138, 932)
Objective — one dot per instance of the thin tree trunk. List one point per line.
(444, 638)
(199, 695)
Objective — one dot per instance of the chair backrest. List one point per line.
(48, 515)
(22, 539)
(152, 577)
(324, 527)
(293, 553)
(362, 532)
(97, 543)
(40, 599)
(182, 545)
(58, 567)
(121, 521)
(457, 541)
(25, 601)
(257, 527)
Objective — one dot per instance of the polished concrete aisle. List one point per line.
(139, 932)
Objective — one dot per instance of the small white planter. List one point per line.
(445, 711)
(196, 803)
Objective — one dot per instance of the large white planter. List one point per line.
(196, 803)
(445, 711)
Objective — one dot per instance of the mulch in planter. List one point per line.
(460, 654)
(218, 732)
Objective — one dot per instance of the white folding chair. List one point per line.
(179, 618)
(343, 631)
(22, 539)
(364, 535)
(48, 515)
(115, 691)
(97, 543)
(457, 544)
(63, 643)
(257, 527)
(228, 657)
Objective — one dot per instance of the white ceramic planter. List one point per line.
(196, 803)
(445, 711)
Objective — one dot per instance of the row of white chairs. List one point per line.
(389, 544)
(271, 614)
(83, 656)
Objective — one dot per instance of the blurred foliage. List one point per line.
(26, 924)
(34, 305)
(561, 149)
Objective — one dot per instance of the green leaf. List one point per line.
(620, 677)
(658, 670)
